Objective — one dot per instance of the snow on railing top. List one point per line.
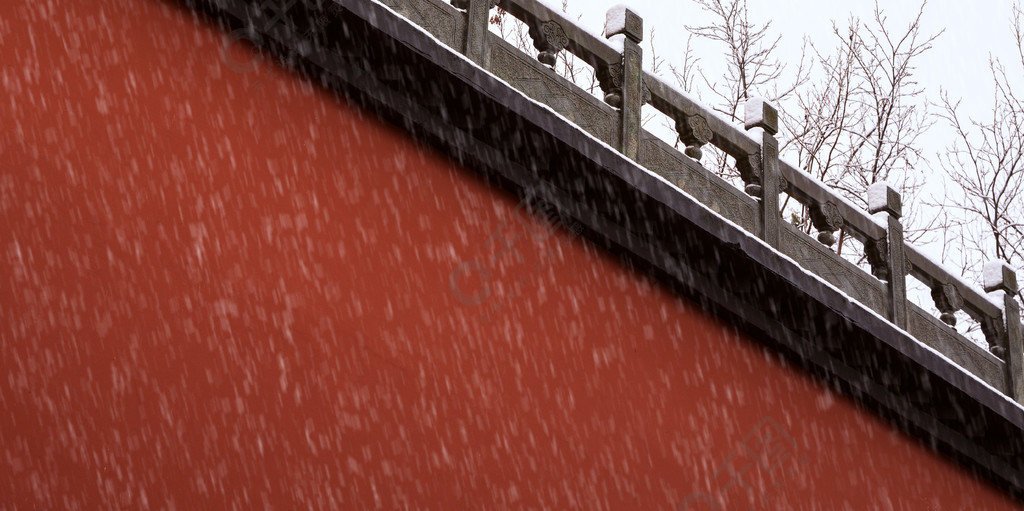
(618, 68)
(589, 47)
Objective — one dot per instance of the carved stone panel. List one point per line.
(929, 330)
(540, 83)
(839, 272)
(704, 186)
(437, 17)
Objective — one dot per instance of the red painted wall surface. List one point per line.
(222, 288)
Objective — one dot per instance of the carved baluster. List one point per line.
(477, 15)
(549, 38)
(693, 132)
(886, 256)
(609, 77)
(749, 168)
(827, 220)
(993, 330)
(877, 252)
(948, 300)
(622, 81)
(760, 114)
(998, 276)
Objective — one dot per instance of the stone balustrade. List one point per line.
(626, 87)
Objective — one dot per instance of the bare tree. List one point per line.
(852, 116)
(686, 73)
(860, 120)
(986, 163)
(752, 69)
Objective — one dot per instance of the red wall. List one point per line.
(220, 295)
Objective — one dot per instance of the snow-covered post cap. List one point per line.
(999, 276)
(884, 198)
(621, 20)
(759, 113)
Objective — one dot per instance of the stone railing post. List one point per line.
(623, 81)
(886, 256)
(761, 172)
(477, 15)
(998, 276)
